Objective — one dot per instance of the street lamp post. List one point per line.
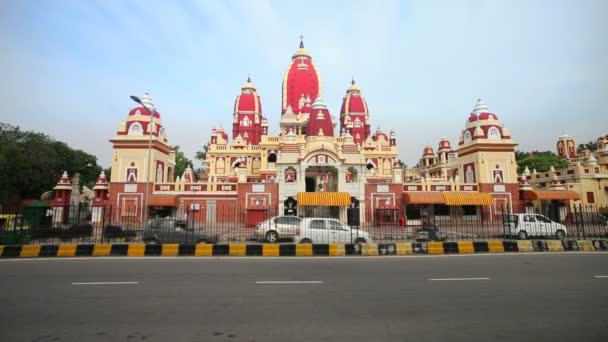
(151, 111)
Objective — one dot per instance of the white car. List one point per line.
(328, 230)
(525, 225)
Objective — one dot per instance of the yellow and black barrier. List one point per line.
(274, 250)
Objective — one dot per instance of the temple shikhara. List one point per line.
(324, 163)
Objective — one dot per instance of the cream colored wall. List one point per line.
(505, 162)
(123, 157)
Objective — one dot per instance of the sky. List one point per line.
(69, 66)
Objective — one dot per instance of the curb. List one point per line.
(367, 249)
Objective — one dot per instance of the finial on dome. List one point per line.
(353, 87)
(146, 101)
(480, 107)
(301, 41)
(248, 85)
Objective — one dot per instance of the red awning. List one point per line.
(162, 201)
(548, 195)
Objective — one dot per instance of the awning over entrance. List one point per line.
(531, 195)
(162, 201)
(339, 199)
(447, 197)
(423, 197)
(467, 198)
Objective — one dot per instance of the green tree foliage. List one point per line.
(201, 156)
(592, 146)
(181, 162)
(541, 161)
(32, 162)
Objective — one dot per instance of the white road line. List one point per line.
(448, 279)
(596, 276)
(290, 282)
(109, 283)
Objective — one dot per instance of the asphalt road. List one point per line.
(514, 297)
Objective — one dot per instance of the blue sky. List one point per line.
(69, 67)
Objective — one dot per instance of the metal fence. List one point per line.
(230, 224)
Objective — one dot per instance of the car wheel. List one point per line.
(272, 237)
(560, 234)
(306, 241)
(522, 235)
(152, 241)
(360, 240)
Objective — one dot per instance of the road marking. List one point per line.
(596, 276)
(109, 283)
(448, 279)
(290, 282)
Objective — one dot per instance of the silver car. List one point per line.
(329, 230)
(172, 230)
(277, 227)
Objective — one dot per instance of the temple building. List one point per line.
(319, 164)
(584, 181)
(478, 179)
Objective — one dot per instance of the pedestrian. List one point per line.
(402, 221)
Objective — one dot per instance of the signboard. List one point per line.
(130, 187)
(382, 188)
(258, 188)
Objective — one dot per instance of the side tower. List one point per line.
(247, 116)
(566, 147)
(487, 156)
(354, 116)
(140, 145)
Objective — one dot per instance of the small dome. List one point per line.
(319, 104)
(102, 178)
(353, 102)
(146, 100)
(248, 100)
(428, 151)
(444, 145)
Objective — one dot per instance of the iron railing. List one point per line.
(231, 224)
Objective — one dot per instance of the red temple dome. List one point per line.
(301, 81)
(248, 100)
(353, 102)
(319, 123)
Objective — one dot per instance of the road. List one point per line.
(482, 297)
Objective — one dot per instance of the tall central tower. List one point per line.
(301, 83)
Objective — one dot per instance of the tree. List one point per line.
(592, 146)
(202, 156)
(32, 162)
(181, 162)
(541, 161)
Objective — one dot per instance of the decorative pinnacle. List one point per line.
(352, 80)
(301, 41)
(248, 78)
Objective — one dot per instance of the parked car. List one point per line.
(328, 230)
(525, 225)
(277, 227)
(172, 230)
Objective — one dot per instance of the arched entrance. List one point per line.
(321, 179)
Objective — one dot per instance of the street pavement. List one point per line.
(481, 297)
